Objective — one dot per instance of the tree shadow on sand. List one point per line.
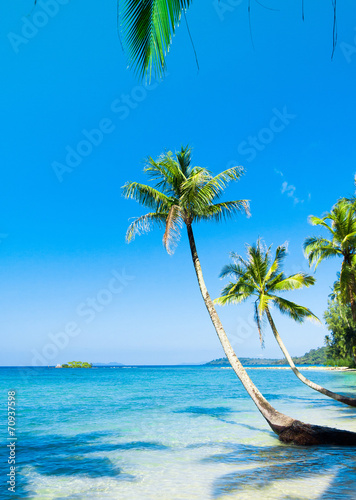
(58, 455)
(269, 465)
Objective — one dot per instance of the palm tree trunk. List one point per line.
(352, 302)
(351, 287)
(288, 429)
(306, 381)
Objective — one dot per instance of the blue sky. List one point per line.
(283, 110)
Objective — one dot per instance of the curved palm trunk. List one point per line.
(338, 397)
(288, 429)
(352, 302)
(351, 289)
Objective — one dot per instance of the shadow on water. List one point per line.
(269, 465)
(58, 455)
(218, 413)
(22, 489)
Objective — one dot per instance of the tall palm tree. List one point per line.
(184, 194)
(262, 277)
(341, 225)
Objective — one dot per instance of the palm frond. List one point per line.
(216, 186)
(318, 249)
(259, 258)
(225, 210)
(147, 28)
(232, 270)
(258, 320)
(238, 258)
(146, 195)
(273, 279)
(350, 238)
(295, 311)
(263, 301)
(163, 176)
(184, 158)
(173, 226)
(192, 195)
(144, 224)
(293, 282)
(317, 221)
(281, 252)
(234, 293)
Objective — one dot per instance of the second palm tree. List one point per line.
(261, 277)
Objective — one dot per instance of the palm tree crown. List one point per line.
(182, 194)
(341, 225)
(261, 276)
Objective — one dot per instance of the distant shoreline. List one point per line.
(300, 368)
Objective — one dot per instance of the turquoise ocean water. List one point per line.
(170, 433)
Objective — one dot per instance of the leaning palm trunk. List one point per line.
(338, 397)
(352, 301)
(287, 428)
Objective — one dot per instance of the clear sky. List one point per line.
(282, 109)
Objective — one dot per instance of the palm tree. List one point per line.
(184, 194)
(261, 277)
(341, 225)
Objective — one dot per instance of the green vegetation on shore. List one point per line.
(341, 342)
(244, 361)
(313, 357)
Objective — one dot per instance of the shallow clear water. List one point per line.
(166, 433)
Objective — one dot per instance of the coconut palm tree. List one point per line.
(341, 225)
(262, 277)
(184, 194)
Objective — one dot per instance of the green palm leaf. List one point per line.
(144, 224)
(173, 226)
(295, 311)
(216, 186)
(146, 195)
(147, 28)
(235, 293)
(232, 270)
(318, 249)
(225, 210)
(281, 253)
(293, 282)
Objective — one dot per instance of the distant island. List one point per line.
(312, 357)
(76, 364)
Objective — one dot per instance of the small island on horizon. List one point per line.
(316, 356)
